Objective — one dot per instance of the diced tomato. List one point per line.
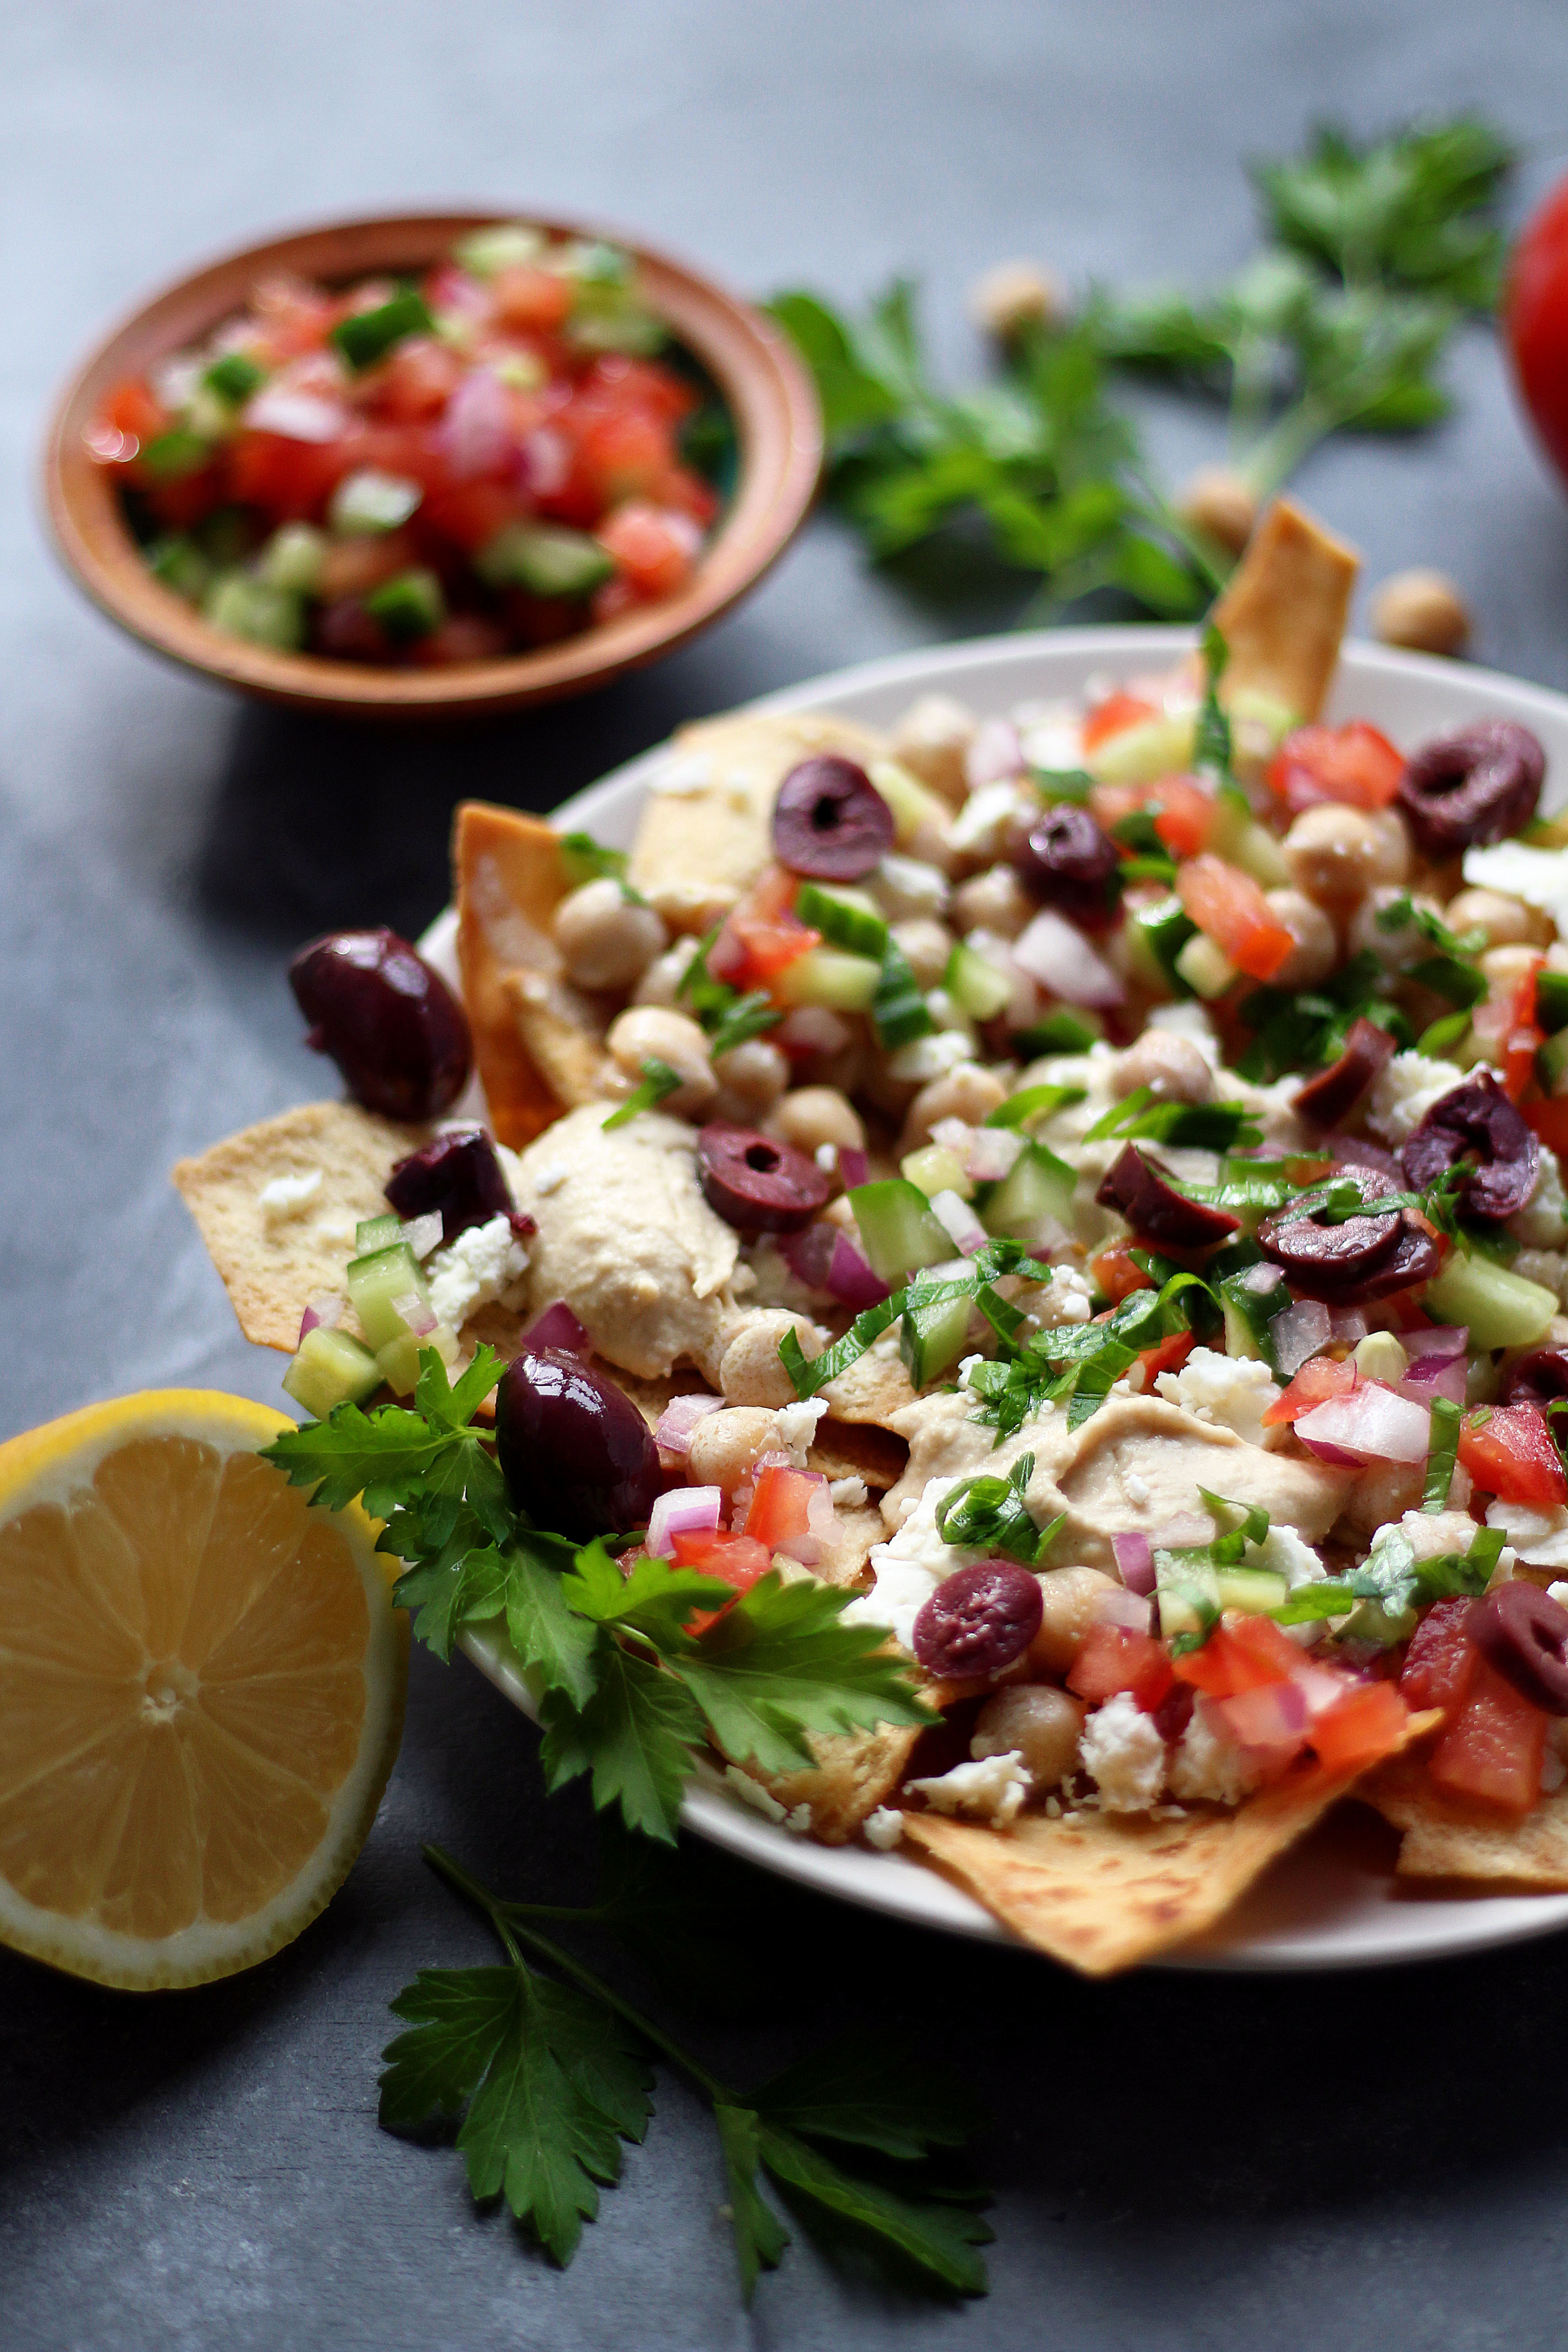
(762, 936)
(1512, 1454)
(1226, 1664)
(1230, 908)
(530, 297)
(1491, 1754)
(1319, 1378)
(1360, 1728)
(781, 1505)
(628, 382)
(128, 420)
(627, 452)
(654, 548)
(1550, 1120)
(471, 513)
(1168, 1357)
(1184, 812)
(417, 381)
(739, 1560)
(1115, 1658)
(180, 505)
(290, 480)
(1355, 766)
(1266, 1644)
(1521, 1039)
(352, 567)
(462, 637)
(1441, 1661)
(1117, 1275)
(1112, 715)
(1270, 1721)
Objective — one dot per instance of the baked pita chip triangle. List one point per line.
(1442, 1840)
(508, 876)
(1283, 612)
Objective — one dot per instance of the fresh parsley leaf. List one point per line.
(587, 860)
(761, 2237)
(1055, 785)
(633, 1737)
(899, 1013)
(870, 2093)
(1392, 1585)
(653, 1597)
(1411, 210)
(457, 1586)
(397, 1455)
(551, 2080)
(657, 1081)
(989, 1514)
(1214, 1127)
(1442, 1454)
(1211, 743)
(937, 2235)
(748, 1016)
(1033, 1102)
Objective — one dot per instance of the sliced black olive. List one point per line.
(830, 823)
(1325, 1099)
(756, 1184)
(1067, 860)
(1478, 784)
(1536, 1379)
(1524, 1633)
(1365, 1257)
(1136, 1187)
(1476, 1117)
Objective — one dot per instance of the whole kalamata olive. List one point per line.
(576, 1454)
(1136, 1188)
(1068, 862)
(1524, 1633)
(755, 1184)
(459, 1175)
(1476, 1117)
(978, 1619)
(1537, 1378)
(391, 1024)
(830, 823)
(1478, 783)
(1326, 1098)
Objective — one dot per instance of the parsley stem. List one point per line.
(500, 1915)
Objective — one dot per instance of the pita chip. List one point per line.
(509, 877)
(1283, 613)
(1444, 1840)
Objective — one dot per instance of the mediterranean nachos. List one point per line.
(1065, 1210)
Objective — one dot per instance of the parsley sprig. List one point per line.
(729, 1018)
(552, 2074)
(990, 1514)
(1392, 1586)
(1077, 1364)
(629, 1692)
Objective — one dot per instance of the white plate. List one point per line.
(1334, 1902)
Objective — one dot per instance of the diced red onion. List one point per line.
(993, 752)
(809, 1254)
(682, 1511)
(1023, 1006)
(296, 415)
(853, 1168)
(1349, 1324)
(324, 1313)
(544, 463)
(423, 1233)
(1436, 1376)
(992, 1153)
(1372, 1423)
(557, 1326)
(851, 1281)
(420, 1317)
(672, 1431)
(1134, 1561)
(1270, 1722)
(812, 1029)
(958, 1220)
(475, 434)
(1120, 1607)
(1300, 1333)
(1320, 1689)
(1062, 960)
(1443, 1343)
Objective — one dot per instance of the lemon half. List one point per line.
(202, 1684)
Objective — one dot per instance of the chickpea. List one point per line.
(749, 1373)
(1218, 502)
(1012, 295)
(993, 901)
(664, 975)
(1393, 839)
(758, 1072)
(928, 945)
(1332, 853)
(1172, 1067)
(1503, 967)
(1317, 949)
(810, 1117)
(725, 1446)
(1069, 1596)
(1396, 949)
(931, 740)
(1039, 1722)
(968, 1093)
(1423, 609)
(649, 1032)
(606, 938)
(1507, 922)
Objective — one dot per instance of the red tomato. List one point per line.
(1117, 1275)
(128, 420)
(1109, 717)
(352, 567)
(295, 318)
(1441, 1660)
(416, 382)
(1535, 314)
(1360, 1728)
(627, 383)
(1550, 1120)
(739, 1560)
(1230, 907)
(530, 297)
(1318, 1379)
(1491, 1754)
(1353, 764)
(290, 480)
(1114, 1658)
(1522, 1038)
(781, 1506)
(653, 548)
(1185, 811)
(762, 936)
(471, 514)
(464, 637)
(1168, 1357)
(627, 452)
(1512, 1454)
(1227, 1664)
(1266, 1645)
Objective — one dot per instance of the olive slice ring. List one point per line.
(1524, 1633)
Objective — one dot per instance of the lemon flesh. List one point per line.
(202, 1682)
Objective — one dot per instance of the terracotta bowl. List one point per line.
(769, 392)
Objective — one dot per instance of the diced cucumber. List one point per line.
(1239, 838)
(210, 417)
(1551, 1062)
(1253, 1590)
(1500, 1309)
(367, 336)
(931, 1339)
(369, 501)
(170, 457)
(243, 606)
(828, 976)
(897, 1229)
(936, 1170)
(1039, 1185)
(1191, 1595)
(510, 245)
(398, 1362)
(846, 918)
(976, 986)
(609, 319)
(1263, 713)
(1207, 970)
(234, 377)
(1164, 929)
(408, 607)
(374, 1280)
(1251, 1299)
(545, 560)
(1161, 746)
(1552, 1000)
(1062, 1032)
(293, 558)
(376, 1234)
(912, 803)
(329, 1369)
(1190, 1606)
(180, 564)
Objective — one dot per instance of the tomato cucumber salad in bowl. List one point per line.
(990, 1288)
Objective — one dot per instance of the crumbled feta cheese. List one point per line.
(966, 1365)
(1120, 1747)
(1540, 1538)
(883, 1829)
(1068, 1298)
(848, 1493)
(1209, 1765)
(752, 1792)
(1543, 1223)
(1190, 1021)
(550, 1180)
(482, 1264)
(925, 1058)
(1055, 743)
(1404, 1090)
(1137, 1490)
(981, 824)
(1234, 1391)
(1539, 876)
(993, 1788)
(1283, 1550)
(797, 1821)
(1558, 1592)
(826, 1158)
(286, 1195)
(796, 1427)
